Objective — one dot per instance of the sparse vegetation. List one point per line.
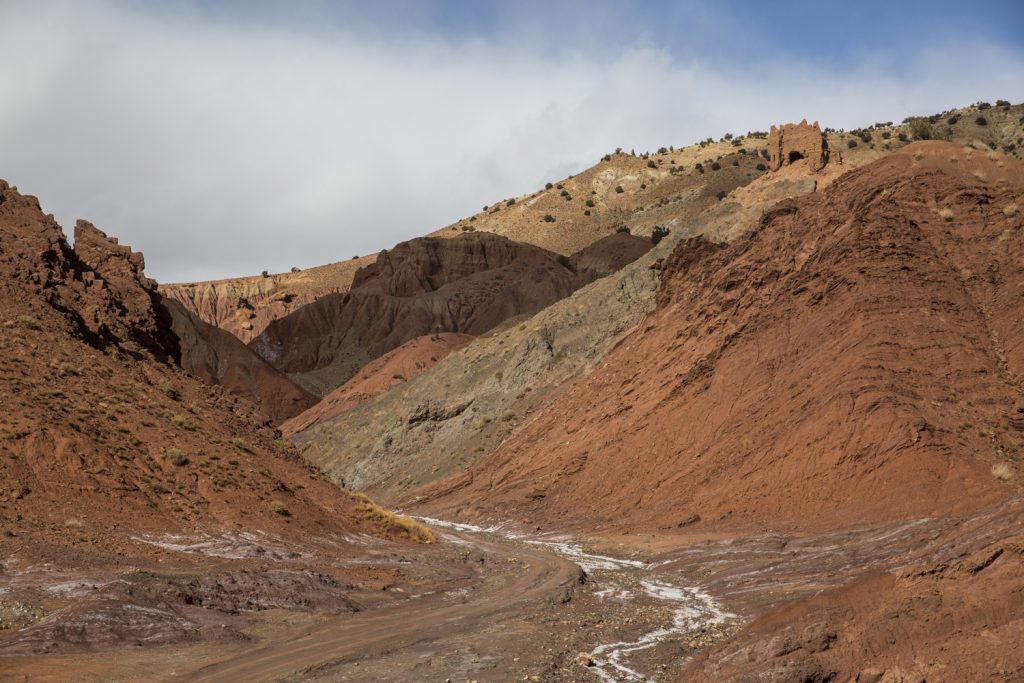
(715, 166)
(618, 189)
(761, 167)
(239, 443)
(945, 214)
(651, 164)
(279, 508)
(176, 457)
(981, 121)
(1010, 211)
(548, 218)
(921, 129)
(658, 234)
(28, 322)
(389, 522)
(1002, 471)
(851, 143)
(183, 422)
(265, 273)
(589, 203)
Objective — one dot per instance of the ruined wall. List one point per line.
(794, 141)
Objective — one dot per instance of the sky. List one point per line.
(227, 138)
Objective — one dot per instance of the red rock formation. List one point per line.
(794, 141)
(815, 374)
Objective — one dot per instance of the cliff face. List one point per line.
(468, 284)
(245, 306)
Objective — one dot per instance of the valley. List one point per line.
(741, 410)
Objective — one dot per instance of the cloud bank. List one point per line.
(223, 148)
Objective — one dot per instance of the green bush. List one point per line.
(548, 218)
(920, 129)
(1002, 103)
(715, 166)
(658, 234)
(981, 121)
(590, 203)
(651, 164)
(618, 189)
(851, 143)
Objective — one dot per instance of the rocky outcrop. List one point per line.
(468, 284)
(792, 142)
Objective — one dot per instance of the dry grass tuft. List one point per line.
(1010, 211)
(945, 214)
(391, 523)
(1002, 472)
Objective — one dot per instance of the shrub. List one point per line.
(851, 143)
(981, 121)
(662, 150)
(721, 195)
(715, 166)
(864, 136)
(183, 422)
(920, 129)
(510, 202)
(239, 443)
(651, 164)
(265, 273)
(548, 218)
(278, 508)
(902, 137)
(618, 189)
(622, 228)
(296, 269)
(563, 193)
(643, 186)
(658, 234)
(606, 157)
(984, 105)
(886, 135)
(761, 167)
(952, 120)
(1002, 103)
(175, 457)
(586, 212)
(589, 203)
(29, 322)
(945, 214)
(1010, 211)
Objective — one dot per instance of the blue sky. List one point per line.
(225, 138)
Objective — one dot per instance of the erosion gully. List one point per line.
(693, 611)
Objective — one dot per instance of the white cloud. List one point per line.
(223, 149)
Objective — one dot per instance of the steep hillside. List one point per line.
(782, 381)
(123, 478)
(409, 360)
(217, 357)
(469, 285)
(415, 433)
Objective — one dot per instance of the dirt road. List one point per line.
(524, 574)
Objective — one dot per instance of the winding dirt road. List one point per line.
(528, 574)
